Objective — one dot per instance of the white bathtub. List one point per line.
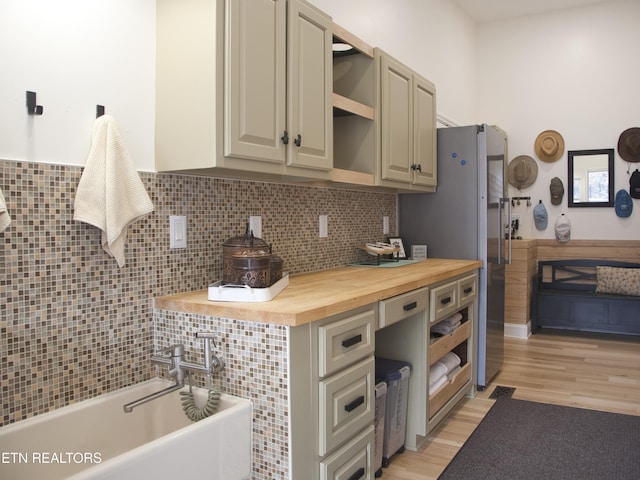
(95, 439)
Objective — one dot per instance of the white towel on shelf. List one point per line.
(5, 219)
(453, 373)
(436, 372)
(451, 361)
(454, 319)
(440, 382)
(110, 194)
(444, 329)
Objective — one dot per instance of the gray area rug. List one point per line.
(534, 441)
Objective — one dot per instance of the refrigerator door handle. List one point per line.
(500, 234)
(509, 229)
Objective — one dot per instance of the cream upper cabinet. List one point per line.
(424, 133)
(244, 88)
(407, 128)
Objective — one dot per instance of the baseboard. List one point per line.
(517, 330)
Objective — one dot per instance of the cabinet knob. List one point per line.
(298, 140)
(285, 138)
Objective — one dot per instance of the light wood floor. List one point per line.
(580, 370)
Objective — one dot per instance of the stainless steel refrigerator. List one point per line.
(466, 218)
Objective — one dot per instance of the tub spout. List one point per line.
(128, 408)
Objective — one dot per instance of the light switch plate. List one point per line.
(255, 225)
(177, 231)
(323, 226)
(385, 225)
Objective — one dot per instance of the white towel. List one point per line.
(436, 371)
(110, 194)
(5, 219)
(440, 382)
(451, 361)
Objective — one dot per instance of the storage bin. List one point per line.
(378, 423)
(395, 374)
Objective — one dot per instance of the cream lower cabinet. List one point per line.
(407, 127)
(244, 88)
(410, 340)
(332, 370)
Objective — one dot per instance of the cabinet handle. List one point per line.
(410, 306)
(468, 290)
(298, 140)
(355, 404)
(351, 341)
(444, 301)
(359, 474)
(285, 138)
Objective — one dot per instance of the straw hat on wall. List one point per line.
(549, 146)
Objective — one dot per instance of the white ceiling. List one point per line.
(488, 10)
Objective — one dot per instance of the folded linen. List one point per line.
(451, 361)
(110, 194)
(453, 373)
(444, 329)
(437, 371)
(5, 219)
(454, 319)
(439, 383)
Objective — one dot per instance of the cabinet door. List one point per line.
(395, 120)
(255, 86)
(310, 110)
(424, 132)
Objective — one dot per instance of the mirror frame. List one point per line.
(571, 155)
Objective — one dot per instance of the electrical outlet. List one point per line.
(515, 217)
(385, 225)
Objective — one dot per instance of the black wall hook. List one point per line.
(99, 110)
(32, 106)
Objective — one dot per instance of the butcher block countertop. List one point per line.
(313, 296)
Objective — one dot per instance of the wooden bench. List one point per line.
(565, 298)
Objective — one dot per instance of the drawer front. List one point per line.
(354, 461)
(346, 404)
(402, 306)
(467, 289)
(345, 341)
(444, 301)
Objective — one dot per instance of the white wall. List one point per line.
(76, 54)
(576, 72)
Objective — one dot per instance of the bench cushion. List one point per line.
(618, 281)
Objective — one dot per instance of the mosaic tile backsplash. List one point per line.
(73, 325)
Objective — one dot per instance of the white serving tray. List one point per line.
(244, 293)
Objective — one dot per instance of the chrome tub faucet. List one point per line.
(173, 357)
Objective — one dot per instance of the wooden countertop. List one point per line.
(313, 296)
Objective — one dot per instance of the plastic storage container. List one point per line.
(378, 423)
(395, 374)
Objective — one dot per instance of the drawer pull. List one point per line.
(410, 306)
(359, 474)
(468, 290)
(351, 341)
(349, 407)
(444, 301)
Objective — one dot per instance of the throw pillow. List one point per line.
(620, 281)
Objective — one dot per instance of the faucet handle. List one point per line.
(207, 336)
(213, 363)
(175, 350)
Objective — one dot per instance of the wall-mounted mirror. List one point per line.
(591, 178)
